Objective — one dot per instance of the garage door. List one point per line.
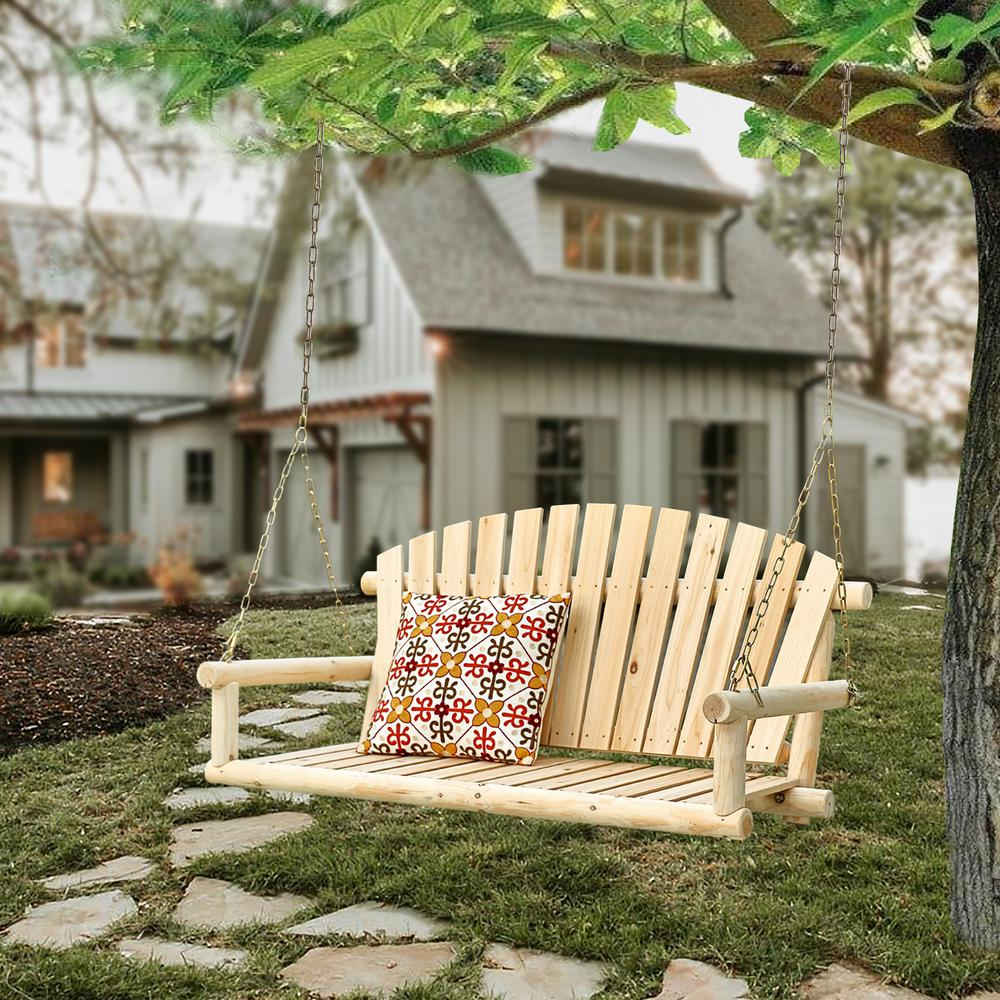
(386, 485)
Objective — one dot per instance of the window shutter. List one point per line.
(600, 461)
(519, 455)
(685, 465)
(754, 474)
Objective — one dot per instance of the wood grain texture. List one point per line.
(560, 540)
(422, 578)
(455, 546)
(389, 567)
(489, 555)
(522, 568)
(616, 629)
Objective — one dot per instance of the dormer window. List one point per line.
(636, 243)
(61, 343)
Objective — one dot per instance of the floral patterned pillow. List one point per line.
(469, 677)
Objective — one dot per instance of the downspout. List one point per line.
(724, 290)
(802, 420)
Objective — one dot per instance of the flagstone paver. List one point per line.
(292, 798)
(217, 904)
(324, 698)
(374, 920)
(66, 922)
(523, 974)
(124, 869)
(153, 949)
(246, 742)
(848, 982)
(686, 979)
(303, 727)
(213, 795)
(332, 972)
(233, 836)
(268, 717)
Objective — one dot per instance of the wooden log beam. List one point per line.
(217, 674)
(729, 774)
(225, 724)
(800, 804)
(725, 707)
(508, 800)
(859, 593)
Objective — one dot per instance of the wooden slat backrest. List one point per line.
(616, 686)
(613, 643)
(572, 678)
(656, 605)
(693, 605)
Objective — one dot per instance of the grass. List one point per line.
(869, 886)
(22, 611)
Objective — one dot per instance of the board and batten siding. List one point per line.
(882, 432)
(642, 394)
(392, 354)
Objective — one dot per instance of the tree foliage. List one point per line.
(452, 77)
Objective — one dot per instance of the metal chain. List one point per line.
(742, 669)
(299, 448)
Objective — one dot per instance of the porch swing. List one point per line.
(647, 667)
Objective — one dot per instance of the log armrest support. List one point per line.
(291, 670)
(794, 699)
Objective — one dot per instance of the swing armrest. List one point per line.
(217, 674)
(792, 699)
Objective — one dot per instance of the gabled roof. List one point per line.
(465, 274)
(76, 407)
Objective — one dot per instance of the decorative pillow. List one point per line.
(469, 677)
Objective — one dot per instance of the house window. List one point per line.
(57, 476)
(199, 477)
(638, 244)
(721, 468)
(559, 460)
(61, 343)
(681, 249)
(346, 293)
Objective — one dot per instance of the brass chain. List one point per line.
(742, 669)
(299, 448)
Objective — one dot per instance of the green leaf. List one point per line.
(640, 38)
(851, 41)
(493, 160)
(386, 108)
(519, 56)
(954, 32)
(786, 160)
(939, 121)
(946, 71)
(618, 120)
(656, 105)
(295, 65)
(879, 100)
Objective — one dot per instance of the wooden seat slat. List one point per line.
(560, 540)
(693, 606)
(616, 629)
(523, 563)
(292, 756)
(455, 548)
(726, 627)
(572, 677)
(526, 775)
(573, 779)
(805, 625)
(656, 783)
(608, 784)
(658, 593)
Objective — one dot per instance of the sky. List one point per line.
(217, 192)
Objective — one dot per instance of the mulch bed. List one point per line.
(77, 679)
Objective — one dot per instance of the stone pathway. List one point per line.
(232, 836)
(331, 972)
(213, 795)
(374, 920)
(125, 869)
(303, 727)
(200, 956)
(686, 979)
(246, 742)
(523, 974)
(320, 699)
(268, 717)
(67, 922)
(217, 905)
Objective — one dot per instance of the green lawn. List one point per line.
(870, 886)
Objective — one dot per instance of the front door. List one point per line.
(851, 465)
(386, 495)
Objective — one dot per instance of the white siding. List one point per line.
(393, 355)
(883, 433)
(515, 200)
(165, 511)
(6, 494)
(644, 392)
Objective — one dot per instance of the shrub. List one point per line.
(61, 585)
(22, 611)
(174, 573)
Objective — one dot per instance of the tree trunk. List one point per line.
(971, 666)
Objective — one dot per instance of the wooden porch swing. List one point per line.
(647, 668)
